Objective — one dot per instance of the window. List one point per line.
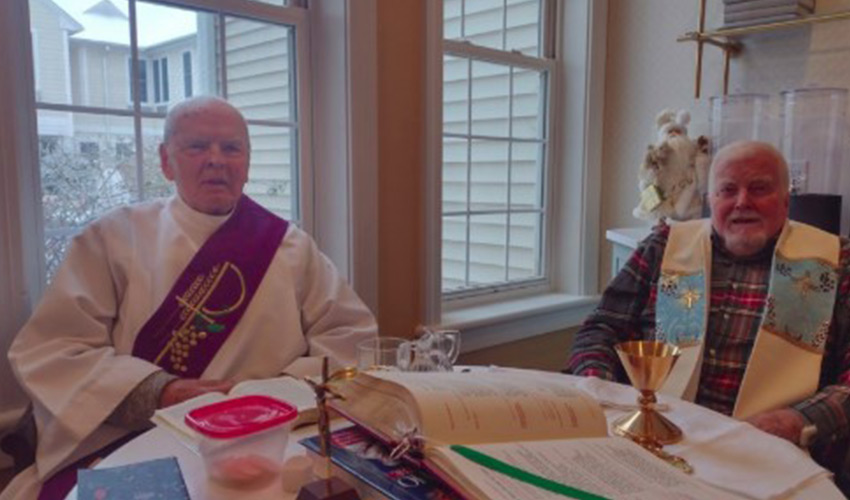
(160, 80)
(497, 74)
(96, 152)
(143, 80)
(163, 66)
(187, 74)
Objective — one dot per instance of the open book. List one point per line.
(539, 426)
(292, 390)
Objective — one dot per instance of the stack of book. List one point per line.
(737, 13)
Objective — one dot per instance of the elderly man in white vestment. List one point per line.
(147, 309)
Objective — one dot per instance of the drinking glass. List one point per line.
(380, 353)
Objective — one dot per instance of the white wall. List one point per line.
(647, 71)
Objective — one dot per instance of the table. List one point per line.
(702, 428)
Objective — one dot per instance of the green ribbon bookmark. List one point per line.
(524, 476)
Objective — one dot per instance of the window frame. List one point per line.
(512, 60)
(577, 28)
(294, 16)
(544, 62)
(347, 234)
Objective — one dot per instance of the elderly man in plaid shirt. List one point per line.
(758, 304)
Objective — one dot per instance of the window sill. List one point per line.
(508, 321)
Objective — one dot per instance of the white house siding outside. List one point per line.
(88, 159)
(259, 84)
(502, 175)
(51, 27)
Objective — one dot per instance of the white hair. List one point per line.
(750, 149)
(194, 104)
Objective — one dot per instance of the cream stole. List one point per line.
(784, 366)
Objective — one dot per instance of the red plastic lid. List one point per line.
(240, 416)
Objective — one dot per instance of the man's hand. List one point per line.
(784, 422)
(181, 389)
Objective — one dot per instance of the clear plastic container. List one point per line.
(739, 117)
(813, 143)
(813, 136)
(243, 440)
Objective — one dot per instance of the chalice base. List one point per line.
(647, 426)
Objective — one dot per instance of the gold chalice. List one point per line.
(648, 364)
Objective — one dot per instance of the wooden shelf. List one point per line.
(725, 39)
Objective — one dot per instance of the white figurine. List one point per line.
(674, 173)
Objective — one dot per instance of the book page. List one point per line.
(384, 408)
(292, 390)
(489, 407)
(172, 418)
(610, 467)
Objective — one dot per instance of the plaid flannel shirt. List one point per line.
(738, 291)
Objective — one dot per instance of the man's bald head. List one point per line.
(206, 152)
(748, 190)
(751, 149)
(194, 105)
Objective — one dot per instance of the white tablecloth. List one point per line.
(724, 452)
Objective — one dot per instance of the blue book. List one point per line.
(367, 460)
(158, 479)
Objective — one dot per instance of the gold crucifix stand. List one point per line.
(327, 487)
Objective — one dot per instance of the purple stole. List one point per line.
(200, 311)
(211, 295)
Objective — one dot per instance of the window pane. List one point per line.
(259, 72)
(489, 163)
(455, 174)
(494, 113)
(87, 165)
(82, 58)
(525, 246)
(187, 74)
(487, 240)
(143, 81)
(452, 19)
(85, 44)
(454, 252)
(154, 184)
(165, 83)
(523, 27)
(170, 49)
(272, 180)
(455, 95)
(157, 82)
(528, 104)
(490, 99)
(526, 176)
(484, 23)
